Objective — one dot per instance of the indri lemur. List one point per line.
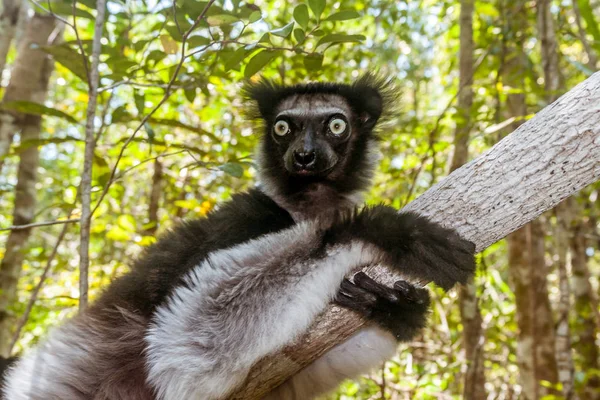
(217, 294)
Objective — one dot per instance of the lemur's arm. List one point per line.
(399, 313)
(245, 302)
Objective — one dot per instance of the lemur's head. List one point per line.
(318, 149)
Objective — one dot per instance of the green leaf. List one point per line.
(126, 222)
(29, 107)
(343, 15)
(66, 9)
(283, 31)
(317, 7)
(299, 35)
(301, 15)
(234, 60)
(68, 58)
(233, 169)
(221, 19)
(156, 56)
(340, 38)
(259, 60)
(313, 62)
(255, 16)
(190, 94)
(150, 131)
(197, 41)
(174, 32)
(139, 99)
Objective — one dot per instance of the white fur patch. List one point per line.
(239, 306)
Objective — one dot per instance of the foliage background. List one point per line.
(202, 146)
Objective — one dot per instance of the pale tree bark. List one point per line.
(90, 144)
(34, 81)
(10, 11)
(547, 159)
(564, 212)
(470, 314)
(585, 326)
(26, 73)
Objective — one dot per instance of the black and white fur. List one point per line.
(215, 295)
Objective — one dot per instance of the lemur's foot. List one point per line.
(402, 309)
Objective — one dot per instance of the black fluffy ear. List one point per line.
(373, 97)
(265, 95)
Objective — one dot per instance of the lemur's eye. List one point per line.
(337, 126)
(281, 128)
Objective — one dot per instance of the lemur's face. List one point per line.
(318, 145)
(312, 133)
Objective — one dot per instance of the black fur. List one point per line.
(5, 364)
(402, 310)
(369, 98)
(417, 247)
(162, 267)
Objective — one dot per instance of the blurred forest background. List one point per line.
(171, 143)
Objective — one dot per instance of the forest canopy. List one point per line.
(113, 141)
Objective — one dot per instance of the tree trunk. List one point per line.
(33, 80)
(585, 323)
(26, 75)
(9, 17)
(536, 343)
(564, 214)
(88, 164)
(472, 335)
(547, 159)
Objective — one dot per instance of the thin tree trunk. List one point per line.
(564, 212)
(9, 18)
(536, 344)
(564, 356)
(35, 81)
(26, 73)
(546, 160)
(90, 143)
(472, 335)
(585, 323)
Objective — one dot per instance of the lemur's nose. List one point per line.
(305, 158)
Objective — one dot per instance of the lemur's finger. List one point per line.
(365, 282)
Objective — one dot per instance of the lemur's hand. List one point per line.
(402, 310)
(413, 245)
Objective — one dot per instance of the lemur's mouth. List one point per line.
(311, 172)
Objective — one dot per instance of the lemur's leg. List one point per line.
(398, 313)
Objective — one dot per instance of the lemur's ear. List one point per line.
(265, 95)
(373, 96)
